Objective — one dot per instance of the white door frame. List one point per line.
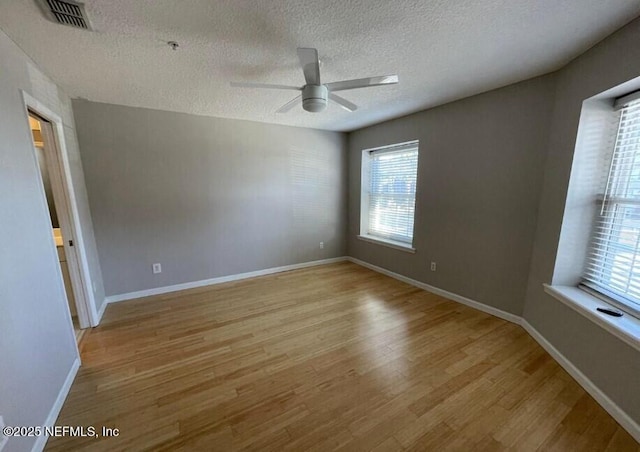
(62, 186)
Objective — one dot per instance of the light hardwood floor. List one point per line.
(325, 358)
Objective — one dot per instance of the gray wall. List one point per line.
(611, 364)
(207, 197)
(37, 343)
(480, 171)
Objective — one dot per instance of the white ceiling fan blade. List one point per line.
(362, 83)
(310, 65)
(344, 103)
(289, 105)
(264, 85)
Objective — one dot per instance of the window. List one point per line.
(613, 263)
(389, 193)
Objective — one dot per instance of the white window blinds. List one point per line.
(392, 192)
(613, 265)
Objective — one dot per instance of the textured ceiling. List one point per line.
(442, 50)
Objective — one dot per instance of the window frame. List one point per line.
(365, 188)
(602, 292)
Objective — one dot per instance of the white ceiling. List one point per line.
(442, 50)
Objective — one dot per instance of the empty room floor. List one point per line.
(324, 358)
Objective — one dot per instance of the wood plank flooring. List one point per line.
(335, 357)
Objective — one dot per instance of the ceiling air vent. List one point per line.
(65, 12)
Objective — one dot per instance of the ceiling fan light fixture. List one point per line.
(314, 98)
(316, 95)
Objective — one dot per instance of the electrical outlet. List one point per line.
(433, 266)
(321, 245)
(3, 439)
(157, 268)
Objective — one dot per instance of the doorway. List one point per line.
(46, 149)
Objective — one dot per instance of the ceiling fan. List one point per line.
(315, 95)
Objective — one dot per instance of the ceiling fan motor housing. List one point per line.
(314, 98)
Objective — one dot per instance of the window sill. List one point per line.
(626, 328)
(389, 243)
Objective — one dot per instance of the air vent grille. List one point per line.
(66, 12)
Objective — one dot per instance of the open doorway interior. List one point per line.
(56, 209)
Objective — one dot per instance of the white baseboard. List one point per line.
(609, 405)
(57, 405)
(443, 293)
(219, 280)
